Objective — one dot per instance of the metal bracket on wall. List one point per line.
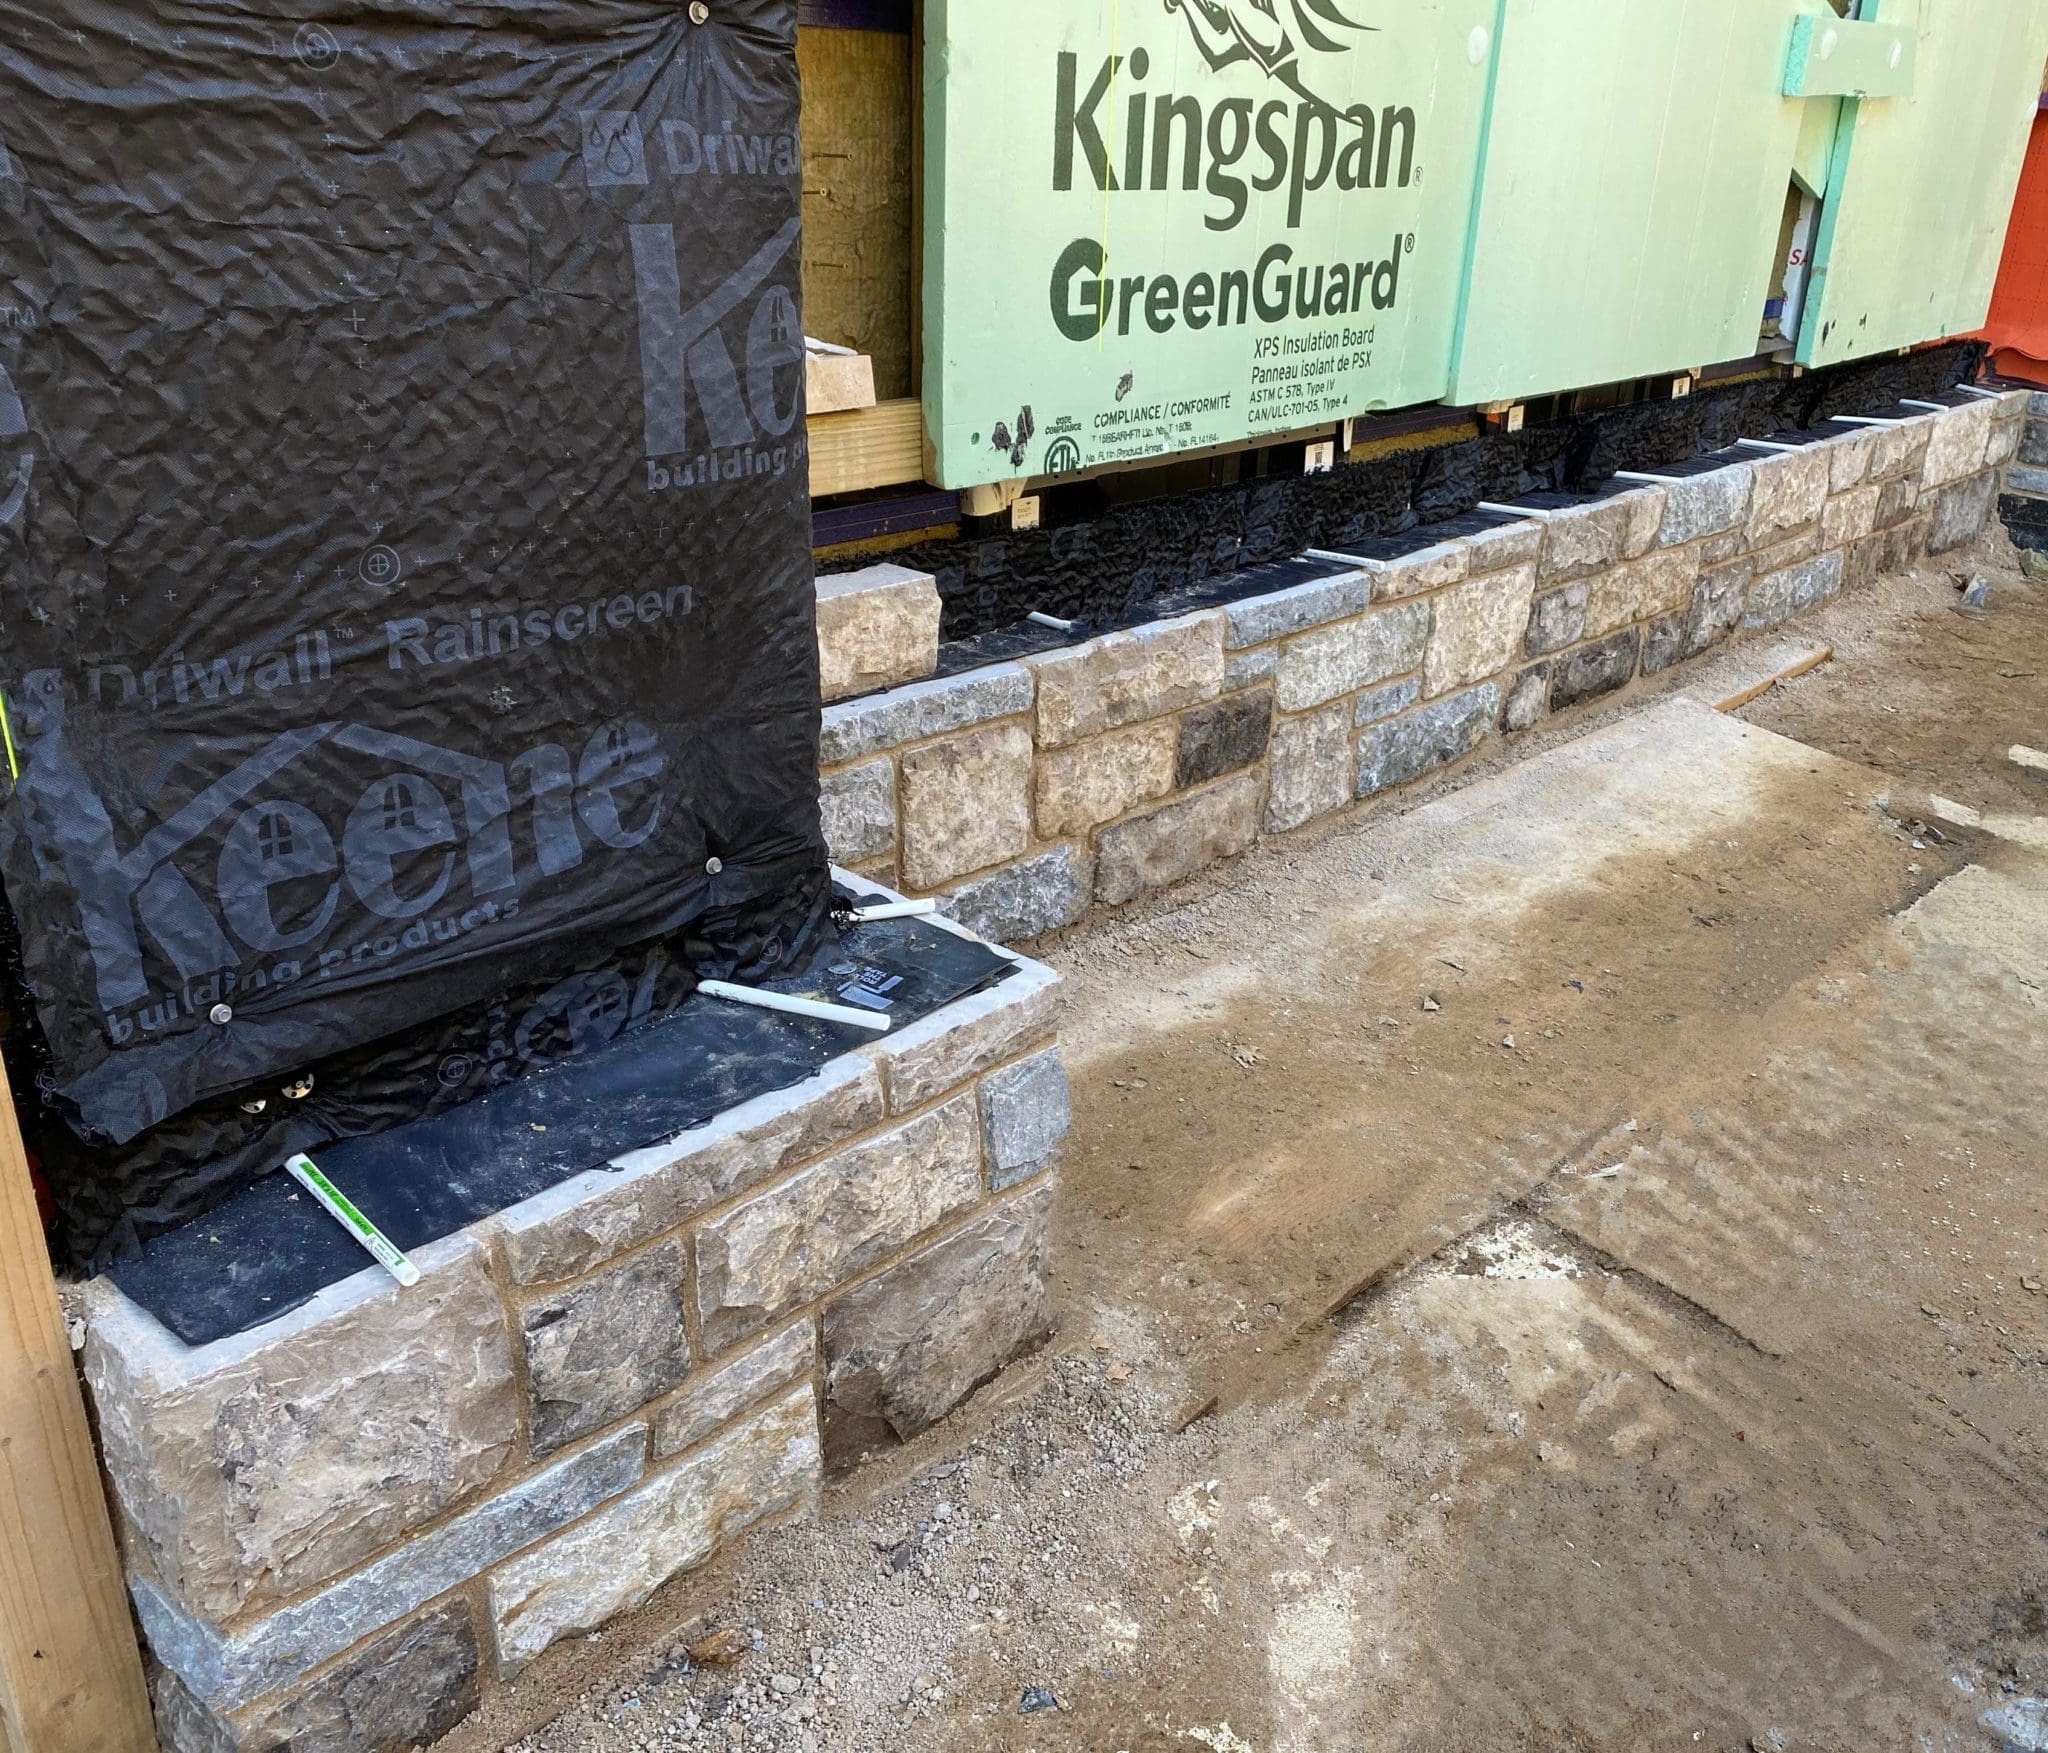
(1847, 57)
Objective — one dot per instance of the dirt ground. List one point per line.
(1559, 1266)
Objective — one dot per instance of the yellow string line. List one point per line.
(7, 733)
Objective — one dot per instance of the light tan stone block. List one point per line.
(1125, 677)
(1105, 777)
(1658, 584)
(966, 804)
(1790, 492)
(1478, 628)
(876, 628)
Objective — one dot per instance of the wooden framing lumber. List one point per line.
(70, 1672)
(882, 446)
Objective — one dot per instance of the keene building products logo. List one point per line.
(241, 889)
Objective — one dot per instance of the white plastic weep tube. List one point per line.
(782, 1001)
(894, 910)
(1052, 621)
(1540, 513)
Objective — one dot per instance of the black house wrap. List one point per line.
(405, 595)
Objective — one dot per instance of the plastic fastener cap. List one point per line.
(222, 1014)
(699, 12)
(714, 865)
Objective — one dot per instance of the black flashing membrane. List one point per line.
(270, 1248)
(1104, 564)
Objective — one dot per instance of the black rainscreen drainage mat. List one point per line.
(271, 1247)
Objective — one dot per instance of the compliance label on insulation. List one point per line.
(1161, 224)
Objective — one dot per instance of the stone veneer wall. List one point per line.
(343, 1527)
(1025, 793)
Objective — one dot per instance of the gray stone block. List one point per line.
(1664, 643)
(1787, 492)
(1222, 737)
(1706, 505)
(876, 627)
(1177, 839)
(576, 1227)
(1956, 444)
(923, 709)
(1023, 900)
(1586, 538)
(720, 1395)
(260, 1466)
(407, 1689)
(1780, 594)
(598, 1350)
(1318, 667)
(227, 1672)
(1557, 618)
(610, 1563)
(1962, 512)
(1426, 569)
(772, 1253)
(1897, 500)
(2031, 482)
(1429, 737)
(1383, 702)
(1256, 620)
(858, 807)
(929, 1058)
(1595, 669)
(1310, 766)
(2034, 442)
(1025, 1113)
(1244, 669)
(1717, 604)
(904, 1349)
(1528, 698)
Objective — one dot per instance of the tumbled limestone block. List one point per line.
(966, 803)
(1716, 609)
(1258, 620)
(1222, 737)
(1426, 569)
(1787, 591)
(1527, 698)
(1962, 512)
(1586, 538)
(1124, 677)
(604, 1347)
(719, 1396)
(1478, 629)
(262, 1656)
(1787, 493)
(591, 1218)
(1645, 520)
(2007, 437)
(1557, 618)
(613, 1562)
(407, 1689)
(925, 1059)
(1406, 748)
(1103, 778)
(1177, 839)
(1310, 767)
(876, 628)
(1850, 517)
(1706, 505)
(1657, 584)
(857, 728)
(904, 1349)
(1386, 700)
(1594, 669)
(1900, 449)
(266, 1463)
(1788, 553)
(1026, 899)
(789, 1244)
(1956, 444)
(857, 806)
(1025, 1113)
(1318, 667)
(1849, 458)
